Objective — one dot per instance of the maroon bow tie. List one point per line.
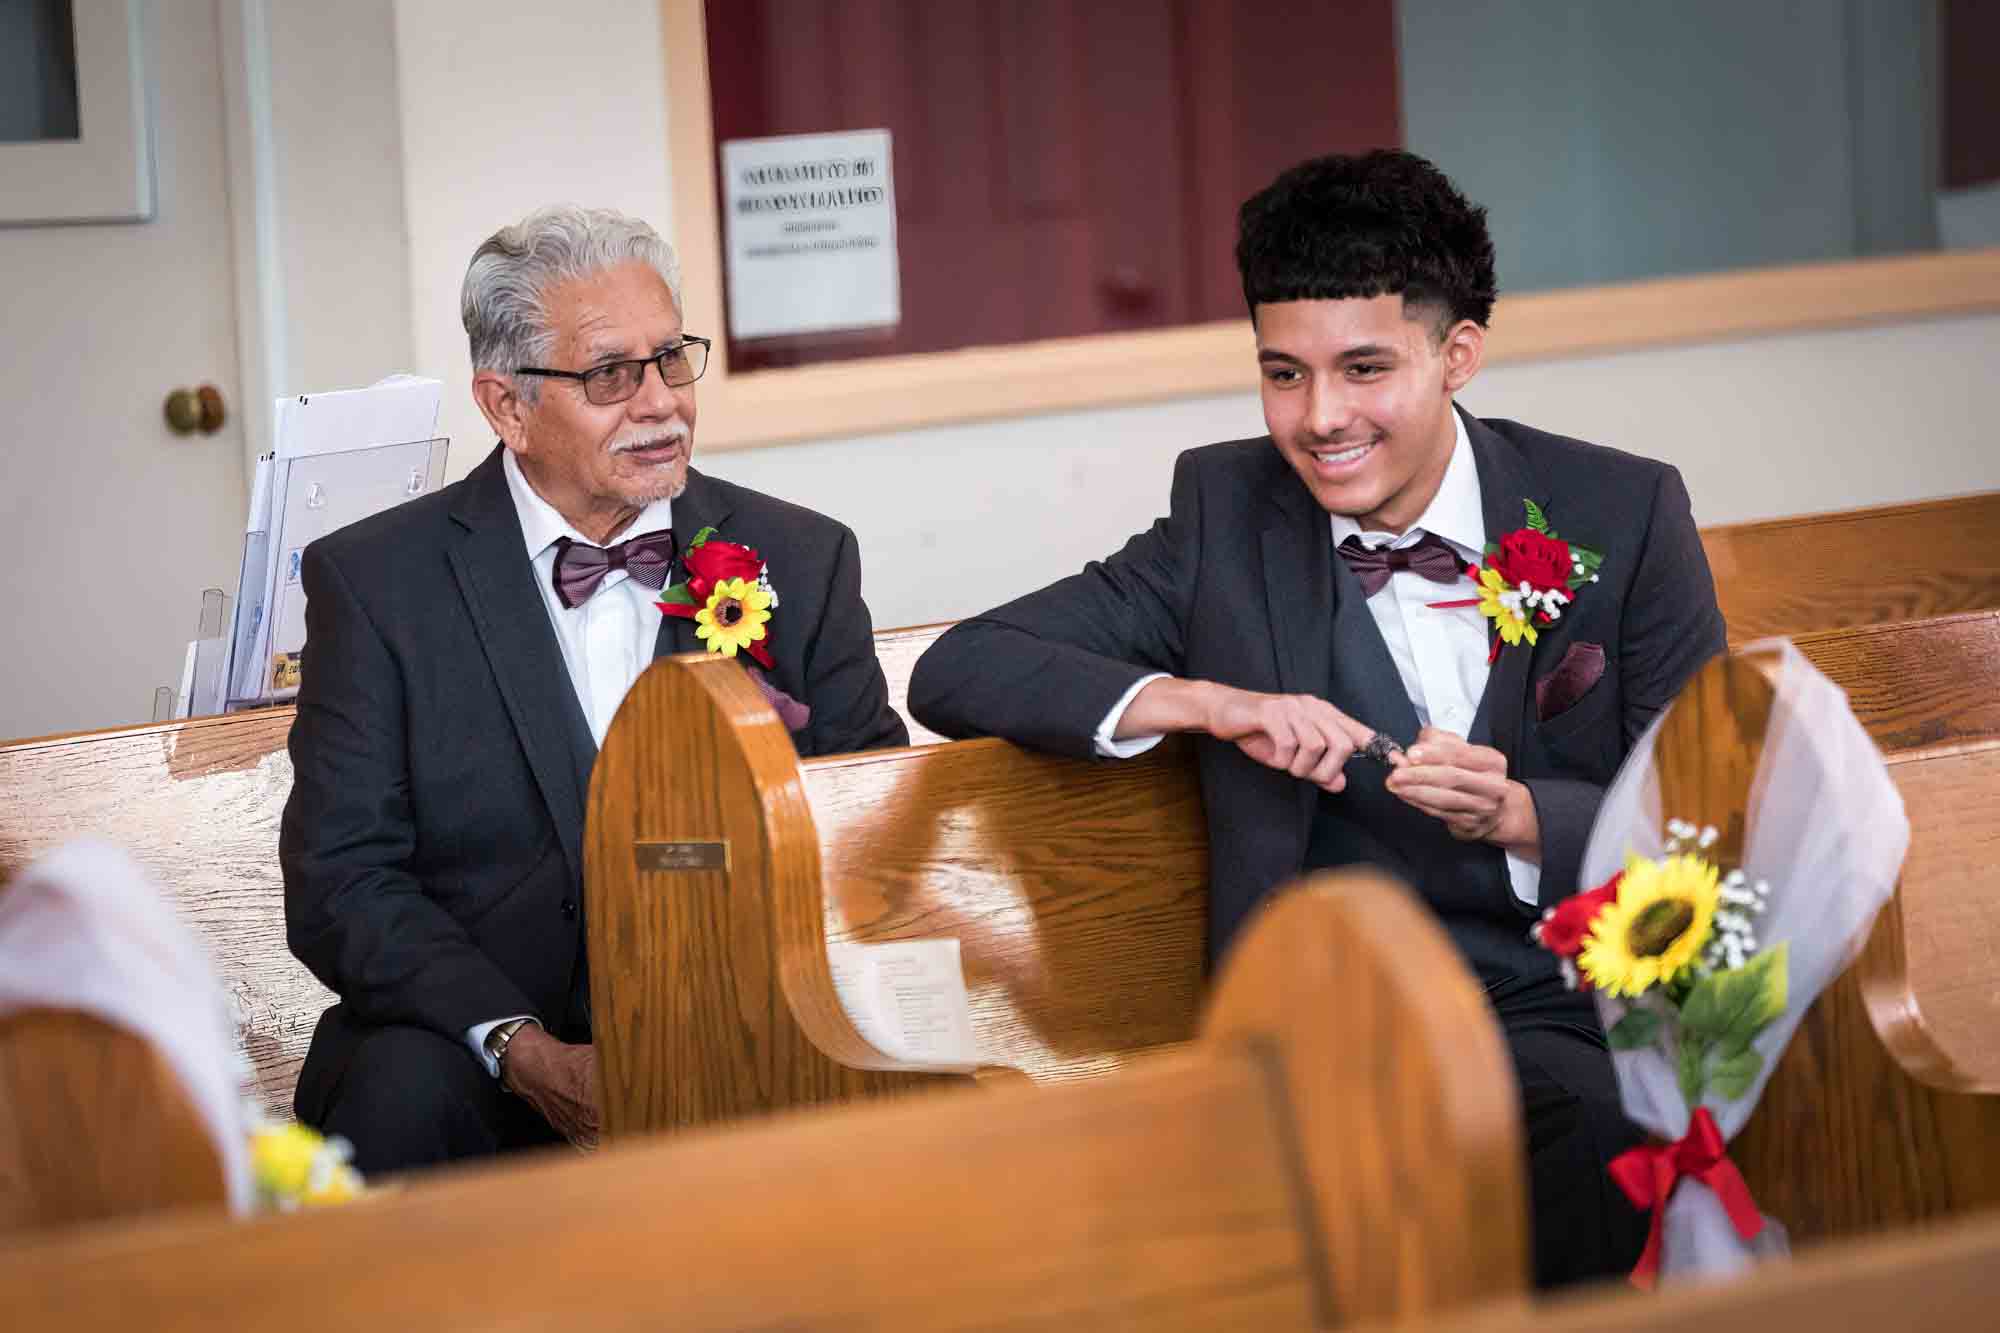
(580, 568)
(1431, 556)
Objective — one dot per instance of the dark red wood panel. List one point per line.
(1062, 167)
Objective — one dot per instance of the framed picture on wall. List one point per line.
(75, 113)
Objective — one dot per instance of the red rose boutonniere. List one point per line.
(728, 595)
(1527, 579)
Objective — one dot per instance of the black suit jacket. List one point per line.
(1239, 584)
(432, 842)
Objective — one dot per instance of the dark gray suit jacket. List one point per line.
(1239, 584)
(432, 842)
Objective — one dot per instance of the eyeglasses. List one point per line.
(616, 381)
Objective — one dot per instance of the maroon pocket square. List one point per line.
(1558, 691)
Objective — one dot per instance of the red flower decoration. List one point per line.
(1564, 926)
(1536, 559)
(710, 562)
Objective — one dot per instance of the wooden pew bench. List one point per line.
(1076, 893)
(1281, 1172)
(1943, 1279)
(197, 802)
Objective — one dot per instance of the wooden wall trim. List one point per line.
(1062, 374)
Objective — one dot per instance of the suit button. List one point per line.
(568, 910)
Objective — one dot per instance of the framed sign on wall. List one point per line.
(75, 121)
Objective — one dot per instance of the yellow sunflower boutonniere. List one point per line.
(727, 592)
(735, 618)
(1529, 576)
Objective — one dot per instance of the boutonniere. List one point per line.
(1527, 579)
(727, 594)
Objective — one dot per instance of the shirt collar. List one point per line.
(1456, 513)
(541, 525)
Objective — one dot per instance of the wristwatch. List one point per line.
(501, 1037)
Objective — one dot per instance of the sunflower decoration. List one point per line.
(1672, 943)
(1654, 931)
(294, 1167)
(736, 619)
(1501, 602)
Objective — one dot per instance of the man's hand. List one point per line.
(557, 1079)
(1294, 733)
(1467, 787)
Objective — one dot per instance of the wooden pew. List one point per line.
(1880, 1112)
(93, 1125)
(1076, 893)
(1943, 1279)
(1282, 1172)
(1857, 566)
(197, 802)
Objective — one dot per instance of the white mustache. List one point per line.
(651, 441)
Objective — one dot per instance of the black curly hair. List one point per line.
(1369, 224)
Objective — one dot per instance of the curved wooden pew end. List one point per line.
(1386, 1047)
(710, 992)
(1855, 1131)
(94, 1125)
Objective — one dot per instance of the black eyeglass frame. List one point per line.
(658, 361)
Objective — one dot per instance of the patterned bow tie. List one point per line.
(580, 568)
(1431, 556)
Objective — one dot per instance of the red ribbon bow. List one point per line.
(1648, 1176)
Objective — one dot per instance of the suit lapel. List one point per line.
(701, 505)
(1298, 587)
(1505, 480)
(497, 582)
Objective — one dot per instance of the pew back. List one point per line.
(1078, 915)
(1857, 566)
(1943, 1279)
(1282, 1172)
(197, 802)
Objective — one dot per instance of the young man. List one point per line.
(1309, 590)
(464, 655)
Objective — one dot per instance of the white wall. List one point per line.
(338, 127)
(956, 518)
(508, 105)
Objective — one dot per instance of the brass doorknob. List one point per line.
(191, 410)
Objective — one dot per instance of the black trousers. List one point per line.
(409, 1098)
(1584, 1228)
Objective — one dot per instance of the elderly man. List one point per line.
(464, 656)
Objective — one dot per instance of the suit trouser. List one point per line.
(411, 1098)
(1583, 1226)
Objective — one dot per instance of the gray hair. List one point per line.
(501, 303)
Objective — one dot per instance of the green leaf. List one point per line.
(1693, 1054)
(678, 595)
(1536, 519)
(1736, 1004)
(701, 537)
(1638, 1028)
(1733, 1075)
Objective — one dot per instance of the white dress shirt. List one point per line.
(606, 642)
(1441, 654)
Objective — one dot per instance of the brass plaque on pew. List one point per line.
(681, 855)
